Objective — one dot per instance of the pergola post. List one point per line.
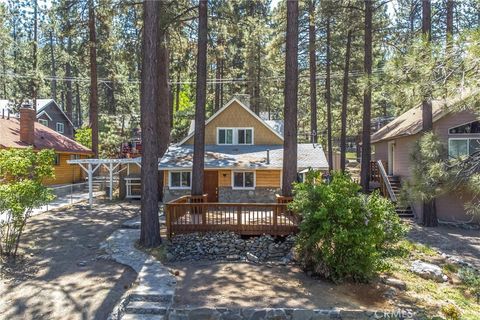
(111, 180)
(90, 185)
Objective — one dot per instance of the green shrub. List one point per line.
(471, 279)
(343, 233)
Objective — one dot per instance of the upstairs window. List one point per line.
(235, 136)
(225, 136)
(60, 127)
(180, 179)
(245, 136)
(463, 147)
(472, 127)
(43, 121)
(243, 180)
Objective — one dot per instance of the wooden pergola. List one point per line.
(112, 165)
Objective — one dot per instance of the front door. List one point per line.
(391, 157)
(210, 185)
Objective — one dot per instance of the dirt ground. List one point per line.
(244, 285)
(461, 243)
(59, 275)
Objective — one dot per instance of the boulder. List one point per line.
(428, 271)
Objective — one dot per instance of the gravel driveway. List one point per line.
(60, 275)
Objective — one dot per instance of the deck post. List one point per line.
(204, 213)
(275, 217)
(167, 221)
(239, 215)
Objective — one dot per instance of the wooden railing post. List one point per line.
(204, 210)
(275, 217)
(168, 221)
(239, 215)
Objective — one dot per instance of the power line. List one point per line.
(211, 81)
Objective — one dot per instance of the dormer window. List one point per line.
(234, 136)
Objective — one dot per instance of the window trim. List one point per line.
(235, 136)
(243, 172)
(467, 138)
(62, 126)
(179, 187)
(59, 162)
(43, 122)
(218, 136)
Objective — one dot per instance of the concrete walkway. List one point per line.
(155, 286)
(64, 201)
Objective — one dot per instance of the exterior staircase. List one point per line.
(402, 211)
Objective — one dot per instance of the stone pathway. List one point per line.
(153, 293)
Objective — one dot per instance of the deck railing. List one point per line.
(183, 216)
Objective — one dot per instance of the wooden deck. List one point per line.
(183, 216)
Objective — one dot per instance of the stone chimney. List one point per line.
(27, 123)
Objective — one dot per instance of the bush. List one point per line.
(343, 233)
(21, 174)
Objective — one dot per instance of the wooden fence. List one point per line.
(184, 216)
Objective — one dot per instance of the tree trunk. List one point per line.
(218, 76)
(53, 82)
(346, 70)
(222, 63)
(328, 99)
(313, 71)
(68, 75)
(149, 109)
(367, 99)
(291, 95)
(201, 95)
(79, 106)
(35, 55)
(449, 24)
(430, 214)
(93, 111)
(258, 69)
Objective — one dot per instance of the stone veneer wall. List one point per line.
(172, 194)
(260, 194)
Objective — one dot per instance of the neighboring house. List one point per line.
(460, 131)
(23, 132)
(50, 115)
(243, 158)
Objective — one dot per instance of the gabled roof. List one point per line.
(244, 157)
(41, 106)
(410, 122)
(45, 138)
(225, 107)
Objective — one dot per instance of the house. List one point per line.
(49, 114)
(243, 158)
(24, 131)
(459, 130)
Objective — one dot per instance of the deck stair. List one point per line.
(402, 210)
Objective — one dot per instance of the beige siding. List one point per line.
(236, 116)
(268, 178)
(224, 178)
(381, 151)
(401, 159)
(453, 120)
(66, 173)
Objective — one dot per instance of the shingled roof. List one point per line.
(410, 122)
(45, 138)
(244, 157)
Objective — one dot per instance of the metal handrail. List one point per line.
(384, 175)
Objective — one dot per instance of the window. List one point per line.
(57, 159)
(180, 179)
(74, 156)
(462, 147)
(60, 127)
(245, 136)
(243, 180)
(472, 127)
(43, 121)
(225, 136)
(235, 136)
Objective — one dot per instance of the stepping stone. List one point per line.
(146, 307)
(142, 317)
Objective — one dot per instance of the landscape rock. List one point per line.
(396, 283)
(428, 271)
(228, 246)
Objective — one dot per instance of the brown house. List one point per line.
(459, 130)
(24, 131)
(243, 158)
